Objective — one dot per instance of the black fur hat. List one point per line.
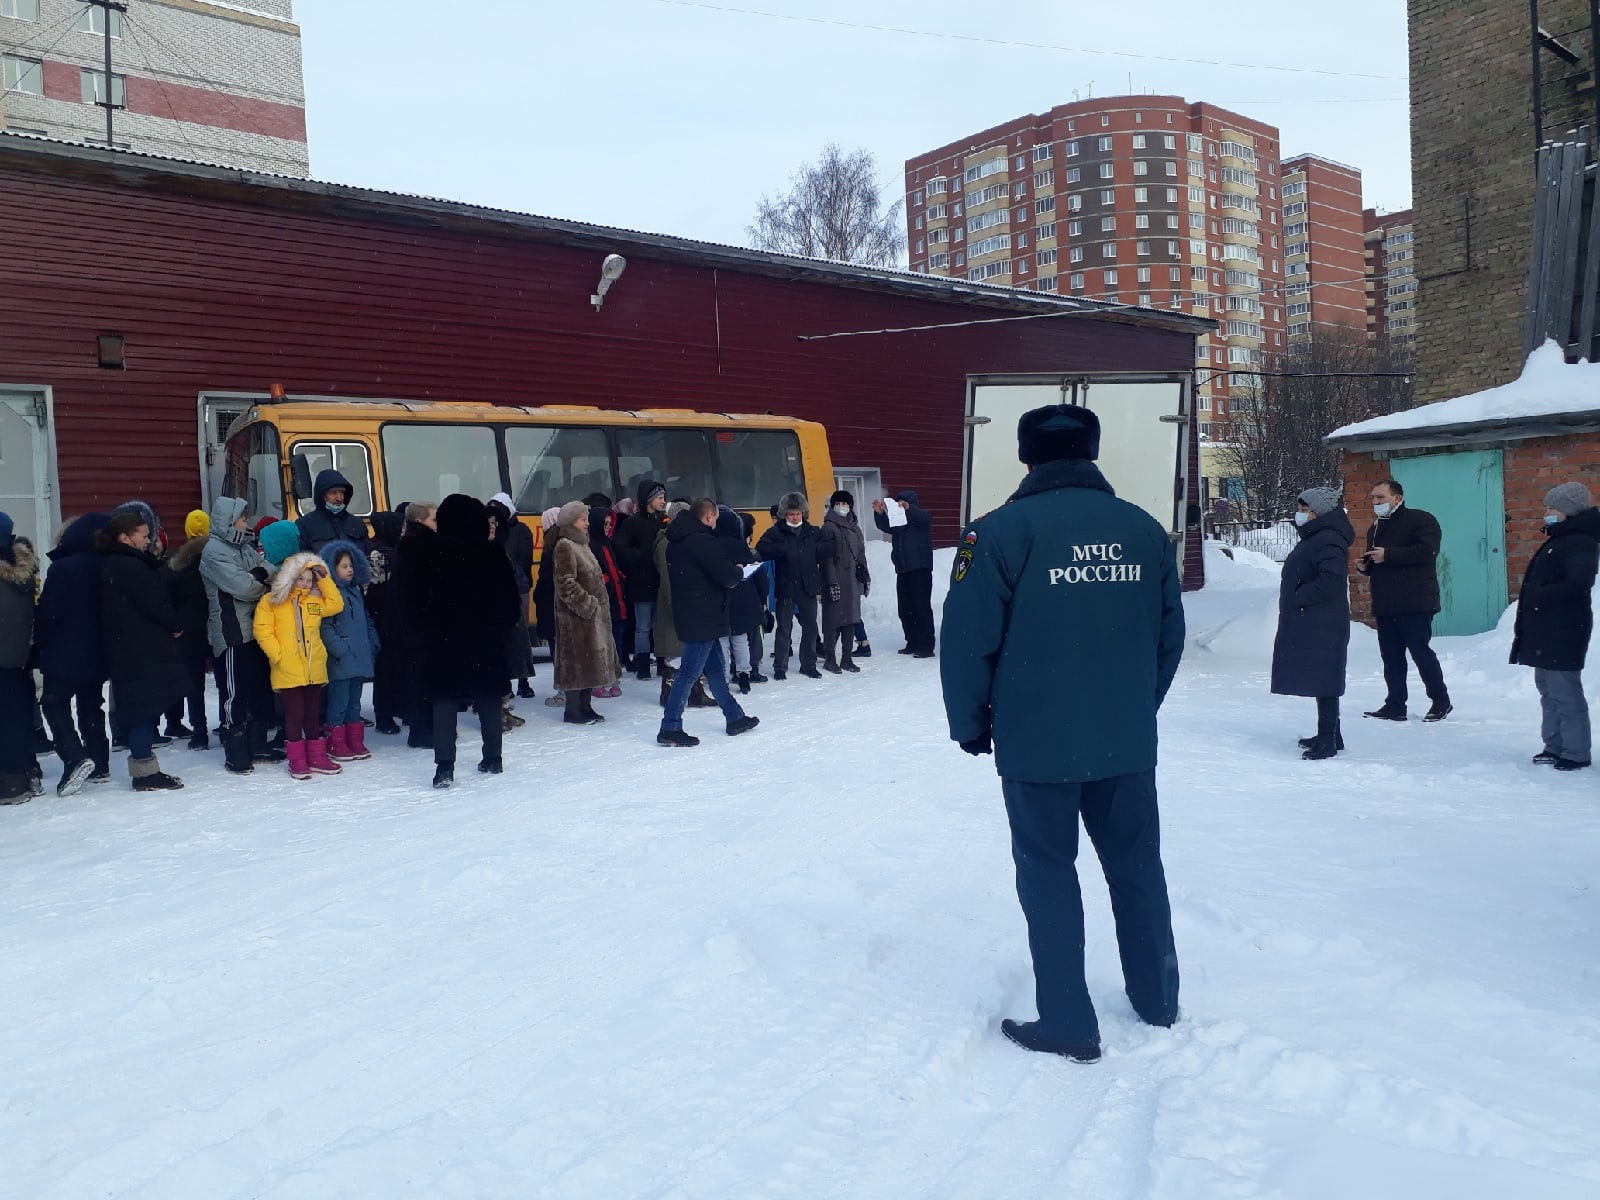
(841, 497)
(1058, 431)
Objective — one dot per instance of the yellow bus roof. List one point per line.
(303, 413)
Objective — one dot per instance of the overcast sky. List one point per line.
(676, 117)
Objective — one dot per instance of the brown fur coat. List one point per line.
(586, 655)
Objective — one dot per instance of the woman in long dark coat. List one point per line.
(141, 628)
(845, 580)
(1313, 642)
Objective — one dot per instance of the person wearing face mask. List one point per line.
(1554, 620)
(845, 580)
(1313, 642)
(1401, 564)
(796, 549)
(331, 520)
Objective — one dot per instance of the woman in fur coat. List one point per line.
(585, 653)
(845, 580)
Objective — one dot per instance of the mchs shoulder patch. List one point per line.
(963, 561)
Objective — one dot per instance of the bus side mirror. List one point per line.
(301, 476)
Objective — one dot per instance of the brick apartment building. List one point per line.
(1391, 277)
(1474, 128)
(1139, 200)
(1324, 268)
(217, 83)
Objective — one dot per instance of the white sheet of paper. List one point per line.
(896, 514)
(751, 568)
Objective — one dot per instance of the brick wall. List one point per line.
(1472, 166)
(1530, 469)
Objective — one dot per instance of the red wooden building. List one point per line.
(136, 286)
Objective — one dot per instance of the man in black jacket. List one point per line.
(635, 545)
(1402, 564)
(795, 548)
(913, 567)
(702, 579)
(331, 519)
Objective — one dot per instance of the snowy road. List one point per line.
(773, 966)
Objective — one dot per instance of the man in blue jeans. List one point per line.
(702, 579)
(1063, 628)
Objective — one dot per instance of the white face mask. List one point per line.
(842, 509)
(1301, 518)
(1382, 510)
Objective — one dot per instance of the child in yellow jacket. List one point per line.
(288, 628)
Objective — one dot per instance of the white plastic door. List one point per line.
(27, 492)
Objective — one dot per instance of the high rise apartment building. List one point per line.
(1391, 278)
(1324, 262)
(1140, 200)
(215, 82)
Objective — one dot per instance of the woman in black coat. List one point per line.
(1313, 642)
(461, 599)
(389, 668)
(141, 630)
(1555, 618)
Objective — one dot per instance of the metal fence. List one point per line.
(1274, 539)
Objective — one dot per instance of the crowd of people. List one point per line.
(430, 607)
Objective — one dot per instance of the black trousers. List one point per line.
(85, 738)
(1398, 636)
(914, 591)
(244, 682)
(444, 728)
(790, 610)
(389, 685)
(1124, 824)
(194, 692)
(16, 722)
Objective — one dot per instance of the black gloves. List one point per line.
(261, 574)
(861, 574)
(768, 621)
(834, 592)
(978, 745)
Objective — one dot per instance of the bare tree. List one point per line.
(1275, 429)
(833, 209)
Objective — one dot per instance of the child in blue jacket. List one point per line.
(352, 641)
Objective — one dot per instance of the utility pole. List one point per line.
(107, 7)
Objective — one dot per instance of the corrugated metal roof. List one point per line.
(46, 151)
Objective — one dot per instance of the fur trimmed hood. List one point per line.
(358, 559)
(283, 581)
(186, 555)
(22, 569)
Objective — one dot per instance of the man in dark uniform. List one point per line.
(1063, 628)
(1402, 563)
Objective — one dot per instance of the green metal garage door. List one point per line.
(1463, 490)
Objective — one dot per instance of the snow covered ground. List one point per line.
(774, 966)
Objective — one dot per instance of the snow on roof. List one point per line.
(1548, 387)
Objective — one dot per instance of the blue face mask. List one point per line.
(1301, 518)
(1551, 519)
(335, 509)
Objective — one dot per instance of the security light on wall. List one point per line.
(610, 271)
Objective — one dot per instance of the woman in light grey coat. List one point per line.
(845, 580)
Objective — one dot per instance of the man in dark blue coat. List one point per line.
(912, 556)
(331, 520)
(72, 656)
(1063, 628)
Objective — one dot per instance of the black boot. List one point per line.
(667, 674)
(641, 667)
(236, 756)
(743, 680)
(261, 750)
(1329, 741)
(698, 697)
(444, 774)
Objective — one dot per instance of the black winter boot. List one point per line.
(641, 667)
(667, 674)
(698, 697)
(1328, 741)
(743, 680)
(236, 756)
(261, 750)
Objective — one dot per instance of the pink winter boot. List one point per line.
(355, 737)
(297, 760)
(317, 758)
(338, 744)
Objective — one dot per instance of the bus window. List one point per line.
(755, 467)
(252, 473)
(347, 458)
(551, 466)
(676, 458)
(430, 462)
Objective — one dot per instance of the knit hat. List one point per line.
(1569, 498)
(1058, 431)
(504, 499)
(841, 497)
(1320, 500)
(675, 507)
(197, 524)
(571, 512)
(649, 489)
(549, 518)
(279, 541)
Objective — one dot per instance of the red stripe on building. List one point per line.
(191, 105)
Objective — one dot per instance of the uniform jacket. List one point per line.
(702, 580)
(235, 575)
(796, 556)
(137, 621)
(288, 624)
(1313, 641)
(1407, 580)
(319, 526)
(847, 569)
(19, 589)
(913, 541)
(1555, 614)
(350, 635)
(1063, 628)
(67, 624)
(635, 546)
(749, 596)
(460, 603)
(586, 655)
(190, 599)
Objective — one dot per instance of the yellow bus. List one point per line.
(394, 452)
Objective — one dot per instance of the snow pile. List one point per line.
(1233, 567)
(1548, 386)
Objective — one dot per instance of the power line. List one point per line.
(69, 21)
(990, 41)
(149, 65)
